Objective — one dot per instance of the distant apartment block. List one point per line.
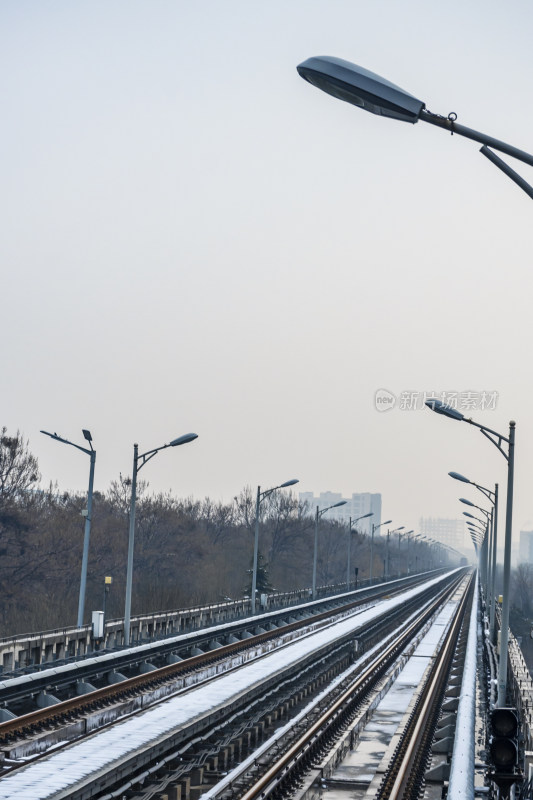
(447, 531)
(526, 547)
(357, 505)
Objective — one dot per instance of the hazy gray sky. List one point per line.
(195, 239)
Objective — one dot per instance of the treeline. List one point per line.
(186, 551)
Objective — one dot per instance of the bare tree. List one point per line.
(219, 520)
(332, 552)
(285, 525)
(245, 508)
(119, 494)
(19, 469)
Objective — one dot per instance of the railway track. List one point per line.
(272, 688)
(404, 778)
(303, 759)
(156, 684)
(17, 694)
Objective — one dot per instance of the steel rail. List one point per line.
(148, 755)
(292, 758)
(29, 724)
(411, 753)
(462, 770)
(12, 686)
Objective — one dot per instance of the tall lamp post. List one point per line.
(407, 534)
(374, 529)
(420, 540)
(350, 531)
(365, 89)
(493, 497)
(487, 525)
(261, 496)
(87, 513)
(387, 562)
(319, 513)
(497, 440)
(138, 463)
(477, 537)
(408, 541)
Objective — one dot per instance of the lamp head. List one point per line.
(340, 503)
(289, 483)
(388, 522)
(466, 502)
(370, 514)
(87, 434)
(441, 408)
(360, 87)
(459, 477)
(185, 439)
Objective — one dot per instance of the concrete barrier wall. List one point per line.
(29, 650)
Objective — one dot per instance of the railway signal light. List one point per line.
(504, 743)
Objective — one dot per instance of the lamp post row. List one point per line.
(492, 496)
(139, 460)
(350, 531)
(320, 512)
(360, 87)
(499, 441)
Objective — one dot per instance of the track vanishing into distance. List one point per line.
(188, 723)
(17, 693)
(311, 750)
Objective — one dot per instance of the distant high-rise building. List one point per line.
(447, 531)
(526, 547)
(359, 504)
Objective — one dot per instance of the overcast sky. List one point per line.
(196, 239)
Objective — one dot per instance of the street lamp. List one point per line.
(348, 565)
(493, 497)
(87, 513)
(430, 551)
(420, 540)
(497, 439)
(482, 528)
(389, 534)
(138, 463)
(402, 534)
(374, 529)
(468, 514)
(318, 514)
(407, 534)
(408, 561)
(360, 87)
(486, 525)
(476, 533)
(476, 541)
(260, 496)
(480, 525)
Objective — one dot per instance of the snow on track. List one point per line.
(73, 766)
